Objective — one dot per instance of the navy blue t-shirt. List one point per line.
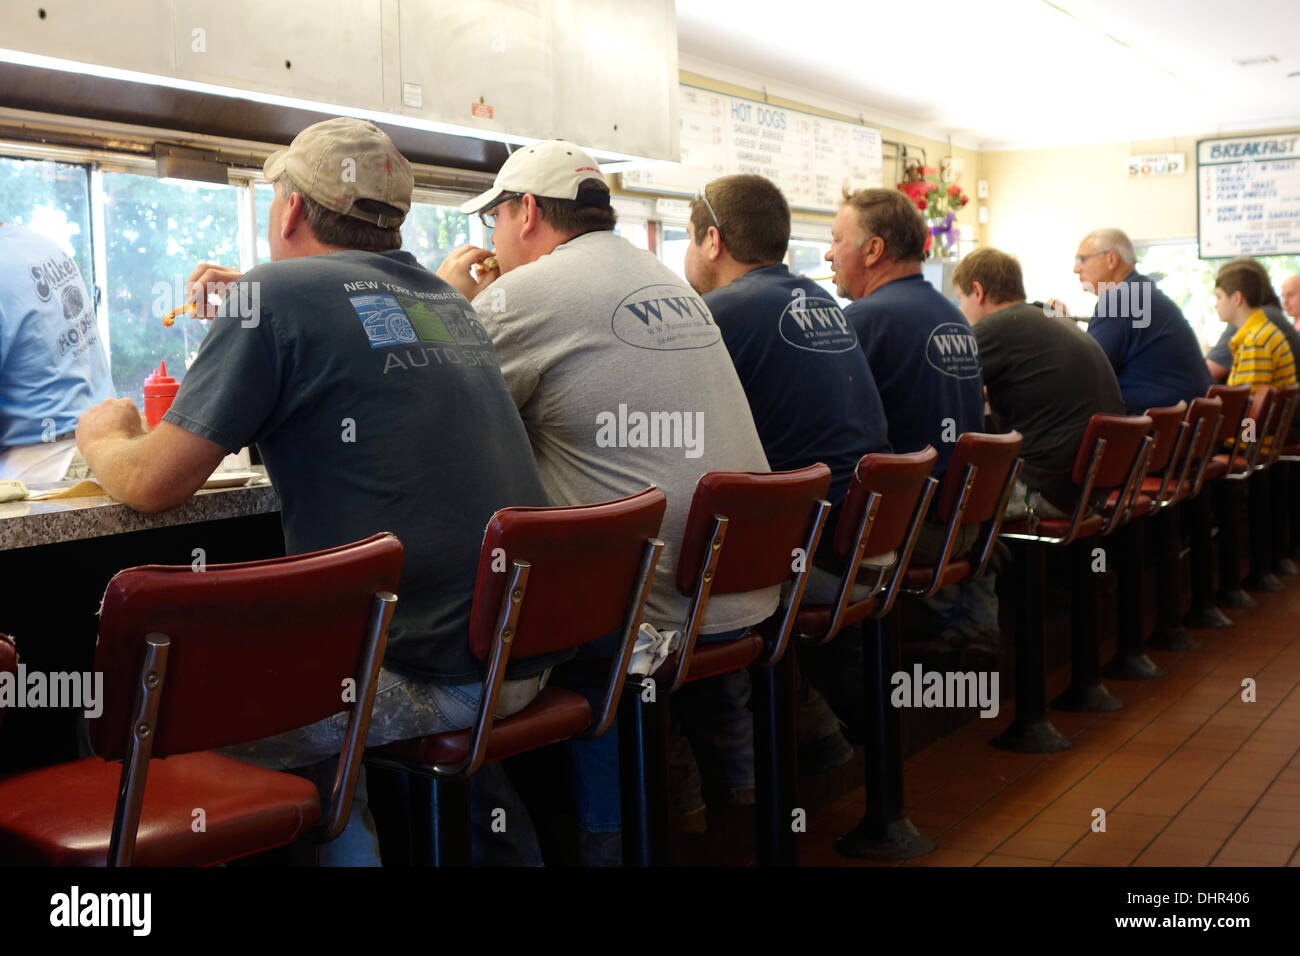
(926, 364)
(807, 382)
(374, 396)
(1152, 349)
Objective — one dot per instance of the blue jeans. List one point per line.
(714, 713)
(404, 707)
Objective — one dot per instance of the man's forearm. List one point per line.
(120, 465)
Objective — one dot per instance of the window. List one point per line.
(149, 235)
(672, 250)
(1189, 280)
(634, 231)
(54, 200)
(807, 257)
(156, 232)
(431, 231)
(263, 193)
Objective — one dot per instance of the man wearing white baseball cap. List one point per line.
(589, 329)
(342, 372)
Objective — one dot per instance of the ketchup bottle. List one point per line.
(159, 390)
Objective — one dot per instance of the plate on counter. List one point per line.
(230, 479)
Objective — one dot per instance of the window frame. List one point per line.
(245, 179)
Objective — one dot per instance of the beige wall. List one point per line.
(1043, 201)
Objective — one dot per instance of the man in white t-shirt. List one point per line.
(593, 336)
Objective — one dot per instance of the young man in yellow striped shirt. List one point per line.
(1260, 353)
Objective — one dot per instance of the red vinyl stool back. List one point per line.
(745, 532)
(883, 510)
(1205, 421)
(276, 636)
(976, 488)
(1235, 399)
(593, 549)
(200, 659)
(548, 579)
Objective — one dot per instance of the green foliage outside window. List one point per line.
(1189, 281)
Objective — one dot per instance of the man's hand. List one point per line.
(112, 418)
(455, 271)
(148, 470)
(209, 279)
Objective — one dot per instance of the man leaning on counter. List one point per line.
(360, 430)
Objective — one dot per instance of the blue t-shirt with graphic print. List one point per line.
(923, 355)
(807, 382)
(52, 362)
(375, 398)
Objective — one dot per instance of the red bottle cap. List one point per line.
(159, 379)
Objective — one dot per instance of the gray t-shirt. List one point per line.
(375, 399)
(623, 381)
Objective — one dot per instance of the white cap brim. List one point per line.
(481, 200)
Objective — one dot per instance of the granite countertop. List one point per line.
(27, 524)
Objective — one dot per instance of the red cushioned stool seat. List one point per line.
(709, 660)
(817, 620)
(1238, 464)
(63, 815)
(1141, 503)
(554, 715)
(920, 576)
(1055, 527)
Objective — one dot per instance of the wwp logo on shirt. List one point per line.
(816, 325)
(952, 350)
(664, 317)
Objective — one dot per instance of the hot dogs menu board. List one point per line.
(808, 156)
(1248, 198)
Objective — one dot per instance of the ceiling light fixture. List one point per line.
(40, 61)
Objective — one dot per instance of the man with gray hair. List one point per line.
(1153, 350)
(1291, 298)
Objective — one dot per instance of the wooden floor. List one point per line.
(1187, 773)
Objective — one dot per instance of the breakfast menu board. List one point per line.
(1248, 196)
(810, 157)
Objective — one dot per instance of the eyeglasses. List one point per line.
(487, 216)
(703, 197)
(1080, 260)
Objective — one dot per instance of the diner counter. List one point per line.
(27, 524)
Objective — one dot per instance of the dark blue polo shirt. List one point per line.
(1152, 349)
(807, 382)
(926, 364)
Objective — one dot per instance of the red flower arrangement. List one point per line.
(939, 205)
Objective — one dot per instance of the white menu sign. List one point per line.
(809, 157)
(1248, 196)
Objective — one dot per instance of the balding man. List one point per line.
(1291, 298)
(1153, 350)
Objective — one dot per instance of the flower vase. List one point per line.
(941, 238)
